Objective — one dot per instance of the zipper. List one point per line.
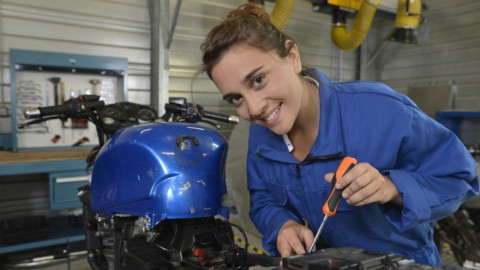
(309, 158)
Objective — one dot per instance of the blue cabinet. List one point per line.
(64, 188)
(465, 124)
(66, 172)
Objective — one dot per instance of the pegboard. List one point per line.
(42, 79)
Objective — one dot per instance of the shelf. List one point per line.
(42, 161)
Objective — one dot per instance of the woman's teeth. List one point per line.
(269, 118)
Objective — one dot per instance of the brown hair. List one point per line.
(248, 25)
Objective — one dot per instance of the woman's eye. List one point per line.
(257, 81)
(234, 100)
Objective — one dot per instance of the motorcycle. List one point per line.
(155, 197)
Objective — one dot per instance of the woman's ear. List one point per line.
(294, 56)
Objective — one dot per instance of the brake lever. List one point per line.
(211, 123)
(36, 121)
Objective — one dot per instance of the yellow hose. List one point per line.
(281, 12)
(363, 21)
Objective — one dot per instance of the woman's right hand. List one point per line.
(293, 238)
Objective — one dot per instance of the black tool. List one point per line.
(55, 81)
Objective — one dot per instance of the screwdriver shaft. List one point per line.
(318, 233)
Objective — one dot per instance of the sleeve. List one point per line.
(267, 213)
(434, 174)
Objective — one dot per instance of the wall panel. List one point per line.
(450, 54)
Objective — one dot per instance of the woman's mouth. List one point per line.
(273, 115)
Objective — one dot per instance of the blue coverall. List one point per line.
(431, 168)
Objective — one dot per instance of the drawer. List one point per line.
(64, 188)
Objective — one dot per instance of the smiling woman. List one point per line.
(303, 125)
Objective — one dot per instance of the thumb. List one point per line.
(328, 177)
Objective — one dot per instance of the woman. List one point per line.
(412, 171)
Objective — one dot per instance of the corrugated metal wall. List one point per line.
(449, 56)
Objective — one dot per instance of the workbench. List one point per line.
(464, 123)
(452, 119)
(66, 172)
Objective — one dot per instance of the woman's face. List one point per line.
(264, 88)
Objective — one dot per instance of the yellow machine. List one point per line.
(408, 16)
(406, 22)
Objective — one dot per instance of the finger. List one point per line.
(359, 178)
(298, 246)
(344, 180)
(351, 175)
(285, 251)
(328, 177)
(368, 194)
(381, 189)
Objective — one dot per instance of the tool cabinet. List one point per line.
(65, 172)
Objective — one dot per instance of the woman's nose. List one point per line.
(256, 107)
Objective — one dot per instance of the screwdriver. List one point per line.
(330, 206)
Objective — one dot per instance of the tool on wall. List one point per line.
(29, 94)
(330, 206)
(55, 81)
(56, 138)
(62, 92)
(94, 83)
(81, 141)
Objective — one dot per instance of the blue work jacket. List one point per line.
(431, 168)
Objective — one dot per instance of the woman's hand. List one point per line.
(364, 184)
(293, 238)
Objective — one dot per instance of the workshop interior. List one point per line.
(81, 80)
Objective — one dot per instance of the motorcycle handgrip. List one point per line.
(62, 109)
(68, 109)
(46, 111)
(221, 117)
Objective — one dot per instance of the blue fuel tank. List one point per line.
(161, 171)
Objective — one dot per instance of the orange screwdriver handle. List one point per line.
(330, 206)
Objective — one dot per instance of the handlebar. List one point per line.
(110, 118)
(194, 113)
(80, 107)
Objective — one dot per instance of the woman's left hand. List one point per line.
(364, 184)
